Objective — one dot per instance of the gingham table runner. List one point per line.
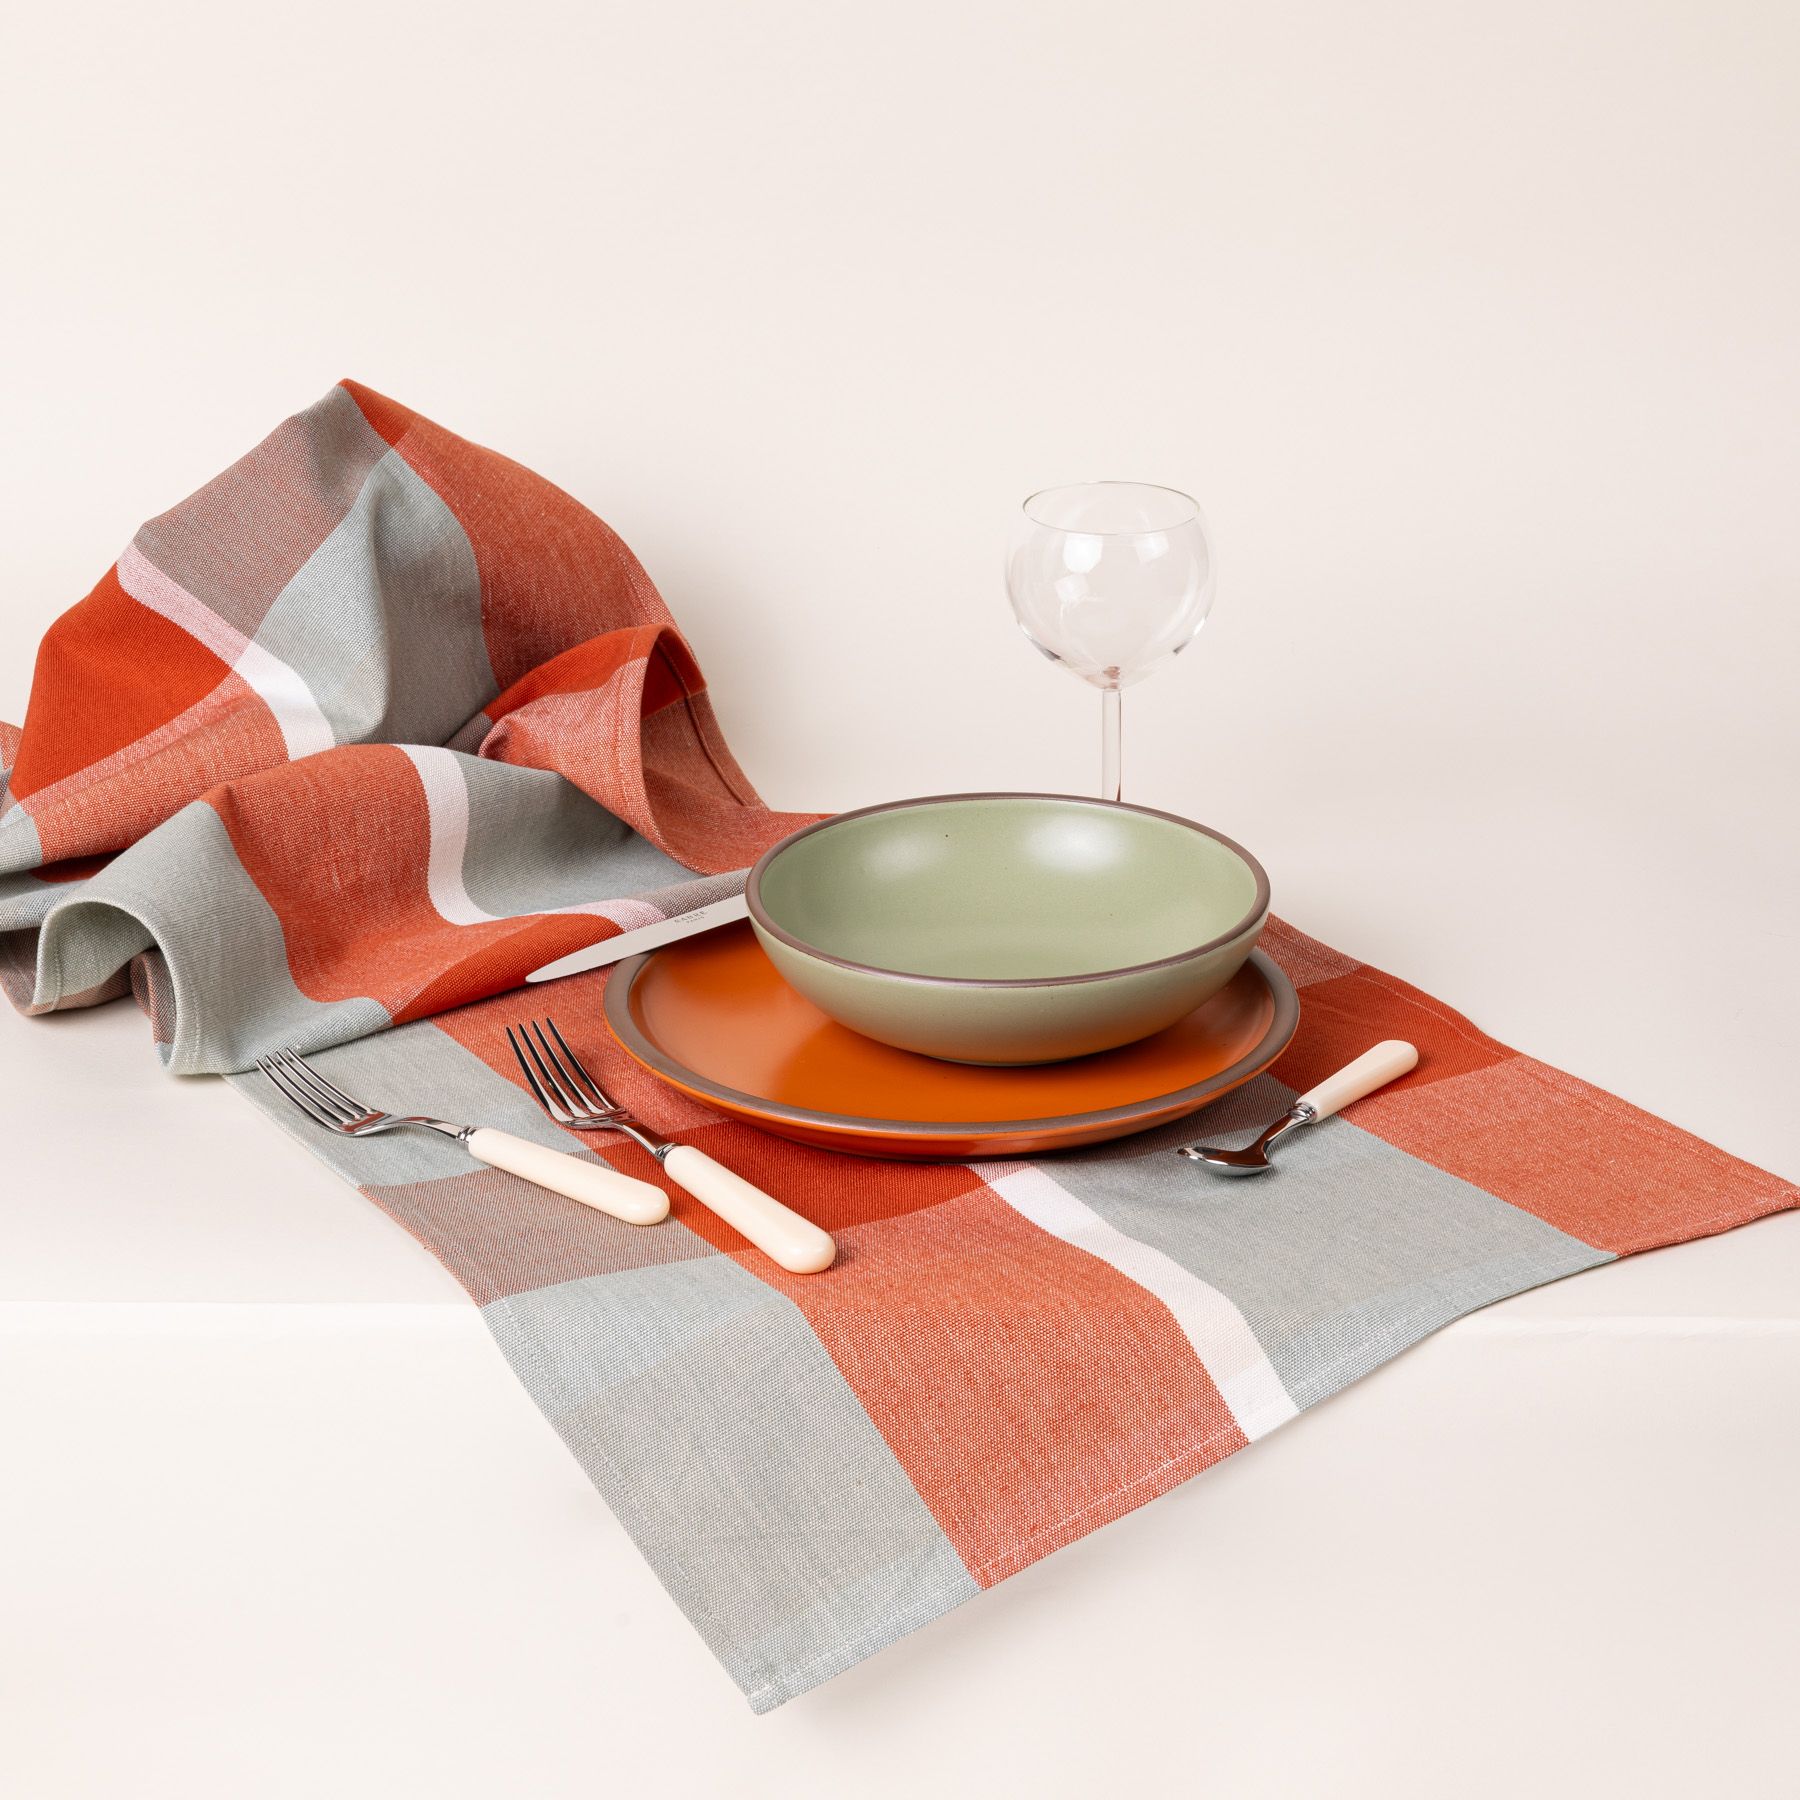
(378, 721)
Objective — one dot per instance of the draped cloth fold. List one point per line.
(371, 725)
(378, 721)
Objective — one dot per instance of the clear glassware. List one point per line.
(1110, 579)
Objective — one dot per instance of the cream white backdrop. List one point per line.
(1473, 328)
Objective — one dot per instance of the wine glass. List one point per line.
(1109, 578)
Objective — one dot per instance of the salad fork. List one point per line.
(577, 1102)
(606, 1190)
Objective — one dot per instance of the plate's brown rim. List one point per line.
(1283, 1022)
(1252, 920)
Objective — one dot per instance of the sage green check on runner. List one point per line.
(378, 721)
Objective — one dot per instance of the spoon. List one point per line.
(1374, 1068)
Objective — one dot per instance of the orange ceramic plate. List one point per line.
(711, 1017)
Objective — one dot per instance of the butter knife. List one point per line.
(646, 937)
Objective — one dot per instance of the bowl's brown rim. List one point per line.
(1259, 907)
(1284, 1021)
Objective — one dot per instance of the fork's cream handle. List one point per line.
(1375, 1068)
(606, 1190)
(796, 1243)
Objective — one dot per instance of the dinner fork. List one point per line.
(593, 1184)
(576, 1101)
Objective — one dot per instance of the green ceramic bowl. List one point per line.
(1007, 928)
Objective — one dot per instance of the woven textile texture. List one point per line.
(378, 721)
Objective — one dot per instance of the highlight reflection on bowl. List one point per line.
(1007, 928)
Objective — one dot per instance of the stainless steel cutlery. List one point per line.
(646, 937)
(1386, 1062)
(576, 1101)
(593, 1184)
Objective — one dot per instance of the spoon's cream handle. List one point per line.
(593, 1184)
(779, 1232)
(1374, 1068)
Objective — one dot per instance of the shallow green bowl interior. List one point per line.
(1006, 889)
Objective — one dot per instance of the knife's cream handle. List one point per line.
(779, 1232)
(1374, 1068)
(593, 1184)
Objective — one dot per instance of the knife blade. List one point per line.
(646, 937)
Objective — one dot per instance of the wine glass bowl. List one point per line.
(1110, 579)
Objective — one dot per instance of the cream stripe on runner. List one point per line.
(447, 808)
(1220, 1334)
(281, 688)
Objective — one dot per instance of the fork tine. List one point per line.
(357, 1109)
(285, 1086)
(557, 1112)
(552, 1070)
(309, 1081)
(305, 1077)
(574, 1062)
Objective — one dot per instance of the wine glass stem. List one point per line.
(1110, 707)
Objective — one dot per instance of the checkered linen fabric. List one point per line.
(373, 724)
(379, 721)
